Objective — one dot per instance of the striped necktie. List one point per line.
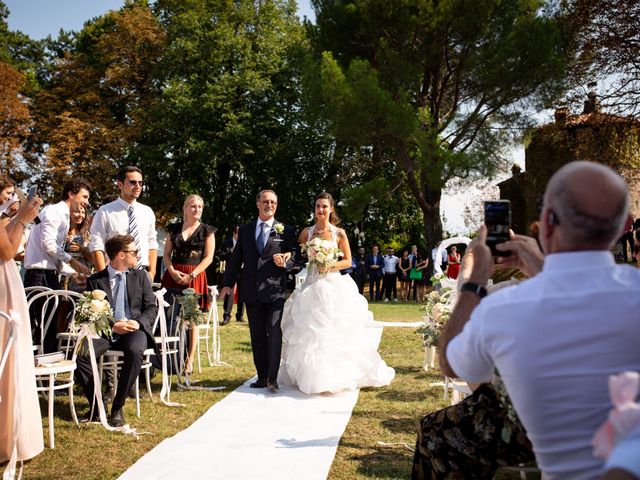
(133, 231)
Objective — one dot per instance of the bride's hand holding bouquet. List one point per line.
(321, 253)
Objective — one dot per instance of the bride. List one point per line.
(327, 339)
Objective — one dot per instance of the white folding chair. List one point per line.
(204, 330)
(51, 301)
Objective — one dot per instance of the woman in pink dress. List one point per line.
(21, 424)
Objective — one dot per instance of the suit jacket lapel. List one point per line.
(106, 286)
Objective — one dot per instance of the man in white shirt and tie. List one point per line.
(123, 216)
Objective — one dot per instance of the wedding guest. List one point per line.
(404, 267)
(188, 252)
(389, 272)
(556, 358)
(225, 253)
(77, 244)
(44, 253)
(454, 263)
(126, 215)
(419, 285)
(359, 273)
(7, 189)
(374, 264)
(19, 407)
(131, 297)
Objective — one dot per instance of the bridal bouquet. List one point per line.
(190, 311)
(321, 253)
(94, 311)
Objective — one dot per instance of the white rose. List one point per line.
(97, 306)
(320, 257)
(98, 295)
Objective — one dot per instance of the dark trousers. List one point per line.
(132, 345)
(39, 277)
(374, 283)
(266, 338)
(389, 286)
(228, 307)
(359, 278)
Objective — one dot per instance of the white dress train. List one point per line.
(327, 343)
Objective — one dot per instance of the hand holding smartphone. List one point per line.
(497, 218)
(33, 191)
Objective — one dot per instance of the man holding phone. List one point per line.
(556, 337)
(44, 253)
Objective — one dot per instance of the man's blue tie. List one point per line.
(262, 237)
(121, 287)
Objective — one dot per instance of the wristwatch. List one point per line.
(475, 288)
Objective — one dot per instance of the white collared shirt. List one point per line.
(112, 219)
(45, 246)
(259, 226)
(390, 262)
(555, 339)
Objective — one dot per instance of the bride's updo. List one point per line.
(334, 219)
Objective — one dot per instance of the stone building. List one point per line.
(592, 135)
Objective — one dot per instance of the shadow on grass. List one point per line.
(402, 425)
(403, 395)
(243, 346)
(385, 463)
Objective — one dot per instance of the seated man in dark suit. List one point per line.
(131, 297)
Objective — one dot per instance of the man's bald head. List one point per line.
(590, 202)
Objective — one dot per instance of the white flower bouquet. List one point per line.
(321, 253)
(95, 312)
(438, 308)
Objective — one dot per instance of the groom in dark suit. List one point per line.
(130, 294)
(259, 260)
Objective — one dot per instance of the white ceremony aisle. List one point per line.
(253, 433)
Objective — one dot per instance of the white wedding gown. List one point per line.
(326, 345)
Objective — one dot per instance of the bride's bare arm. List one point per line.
(343, 245)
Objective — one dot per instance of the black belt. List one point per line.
(41, 270)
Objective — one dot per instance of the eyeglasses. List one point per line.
(135, 252)
(133, 183)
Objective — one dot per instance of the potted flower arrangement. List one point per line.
(190, 310)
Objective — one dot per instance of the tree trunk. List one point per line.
(431, 217)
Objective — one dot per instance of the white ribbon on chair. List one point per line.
(86, 334)
(15, 321)
(215, 335)
(213, 312)
(165, 392)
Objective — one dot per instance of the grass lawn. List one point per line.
(388, 414)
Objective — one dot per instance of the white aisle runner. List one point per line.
(253, 433)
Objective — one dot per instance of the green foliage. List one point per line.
(429, 88)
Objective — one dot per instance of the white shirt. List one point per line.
(45, 246)
(112, 219)
(555, 339)
(390, 262)
(259, 227)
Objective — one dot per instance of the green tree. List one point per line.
(435, 88)
(230, 121)
(93, 108)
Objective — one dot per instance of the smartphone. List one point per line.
(497, 218)
(33, 191)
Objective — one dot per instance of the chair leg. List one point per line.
(206, 345)
(137, 388)
(147, 377)
(198, 354)
(50, 404)
(71, 404)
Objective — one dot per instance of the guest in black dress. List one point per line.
(188, 252)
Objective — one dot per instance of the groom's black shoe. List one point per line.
(261, 383)
(272, 385)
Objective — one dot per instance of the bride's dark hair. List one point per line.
(334, 219)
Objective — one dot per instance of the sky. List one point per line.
(39, 18)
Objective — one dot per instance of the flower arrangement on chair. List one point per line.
(94, 313)
(190, 311)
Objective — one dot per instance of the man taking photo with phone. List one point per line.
(557, 337)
